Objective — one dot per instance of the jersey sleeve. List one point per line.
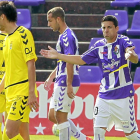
(127, 42)
(28, 46)
(90, 55)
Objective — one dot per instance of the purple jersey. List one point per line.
(116, 82)
(67, 44)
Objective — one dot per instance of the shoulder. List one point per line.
(22, 30)
(69, 34)
(67, 37)
(123, 38)
(99, 43)
(24, 33)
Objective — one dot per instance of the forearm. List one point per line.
(69, 73)
(31, 76)
(73, 59)
(53, 74)
(134, 59)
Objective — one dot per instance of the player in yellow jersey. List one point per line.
(19, 79)
(2, 71)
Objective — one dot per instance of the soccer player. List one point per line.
(67, 80)
(2, 71)
(115, 102)
(19, 79)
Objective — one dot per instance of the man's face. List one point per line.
(2, 27)
(53, 23)
(109, 31)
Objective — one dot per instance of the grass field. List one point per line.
(50, 137)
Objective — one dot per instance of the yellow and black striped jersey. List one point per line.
(18, 48)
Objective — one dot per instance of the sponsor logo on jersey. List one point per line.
(103, 52)
(113, 63)
(28, 50)
(125, 124)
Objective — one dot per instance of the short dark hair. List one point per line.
(57, 12)
(110, 18)
(9, 10)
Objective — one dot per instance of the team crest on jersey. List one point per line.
(10, 45)
(116, 50)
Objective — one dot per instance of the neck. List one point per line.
(3, 32)
(63, 28)
(10, 27)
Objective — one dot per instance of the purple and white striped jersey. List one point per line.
(67, 44)
(116, 82)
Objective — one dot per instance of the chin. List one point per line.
(55, 30)
(107, 37)
(1, 28)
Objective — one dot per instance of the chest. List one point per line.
(111, 52)
(12, 45)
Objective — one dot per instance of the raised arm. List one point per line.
(53, 54)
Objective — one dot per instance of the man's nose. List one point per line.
(48, 24)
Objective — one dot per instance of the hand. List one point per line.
(70, 92)
(129, 52)
(32, 102)
(47, 84)
(52, 53)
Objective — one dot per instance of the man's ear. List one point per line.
(58, 19)
(117, 28)
(2, 16)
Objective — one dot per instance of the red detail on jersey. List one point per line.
(103, 52)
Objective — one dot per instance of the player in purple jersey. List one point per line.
(67, 80)
(115, 102)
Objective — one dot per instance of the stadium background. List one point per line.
(84, 18)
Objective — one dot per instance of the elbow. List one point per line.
(82, 63)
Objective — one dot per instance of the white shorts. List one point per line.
(119, 112)
(60, 100)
